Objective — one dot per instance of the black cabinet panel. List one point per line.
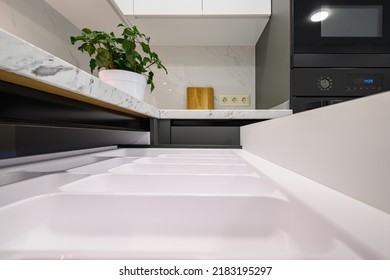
(7, 141)
(28, 140)
(205, 135)
(33, 122)
(210, 133)
(25, 105)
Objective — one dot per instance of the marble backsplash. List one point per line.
(229, 70)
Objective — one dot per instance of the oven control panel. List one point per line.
(347, 82)
(365, 82)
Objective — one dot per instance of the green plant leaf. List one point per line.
(82, 47)
(74, 39)
(103, 58)
(92, 64)
(145, 47)
(90, 49)
(150, 81)
(154, 56)
(138, 59)
(86, 30)
(159, 66)
(128, 46)
(145, 61)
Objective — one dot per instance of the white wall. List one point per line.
(38, 23)
(229, 70)
(344, 146)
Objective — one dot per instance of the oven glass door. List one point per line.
(341, 26)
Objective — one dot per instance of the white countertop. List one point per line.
(24, 59)
(285, 214)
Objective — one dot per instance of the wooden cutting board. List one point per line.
(200, 98)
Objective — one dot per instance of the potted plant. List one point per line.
(127, 59)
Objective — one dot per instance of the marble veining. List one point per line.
(22, 58)
(49, 71)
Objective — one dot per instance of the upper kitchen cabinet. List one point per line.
(167, 7)
(197, 7)
(197, 22)
(236, 8)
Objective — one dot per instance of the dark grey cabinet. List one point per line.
(198, 133)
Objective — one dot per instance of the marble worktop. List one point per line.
(24, 59)
(223, 114)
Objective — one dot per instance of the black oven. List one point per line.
(340, 50)
(341, 26)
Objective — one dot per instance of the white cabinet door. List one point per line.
(237, 7)
(167, 7)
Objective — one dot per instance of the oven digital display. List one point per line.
(364, 82)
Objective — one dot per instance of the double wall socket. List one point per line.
(234, 100)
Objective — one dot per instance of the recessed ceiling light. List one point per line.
(319, 16)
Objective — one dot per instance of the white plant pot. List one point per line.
(129, 82)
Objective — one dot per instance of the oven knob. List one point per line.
(325, 83)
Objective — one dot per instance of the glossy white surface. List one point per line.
(167, 227)
(194, 156)
(190, 160)
(12, 177)
(365, 226)
(35, 187)
(102, 166)
(164, 163)
(166, 152)
(179, 184)
(271, 213)
(170, 168)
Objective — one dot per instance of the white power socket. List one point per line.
(234, 100)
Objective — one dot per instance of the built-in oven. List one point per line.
(340, 50)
